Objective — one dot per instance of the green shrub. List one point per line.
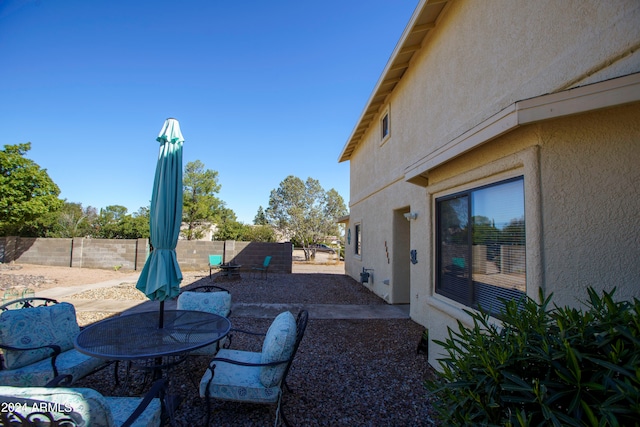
(543, 366)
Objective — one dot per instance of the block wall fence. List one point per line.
(130, 254)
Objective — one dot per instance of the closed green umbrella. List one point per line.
(161, 276)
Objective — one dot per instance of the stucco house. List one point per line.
(499, 154)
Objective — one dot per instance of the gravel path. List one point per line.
(346, 372)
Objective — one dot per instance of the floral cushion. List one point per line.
(86, 406)
(278, 345)
(236, 382)
(35, 327)
(70, 362)
(83, 406)
(213, 302)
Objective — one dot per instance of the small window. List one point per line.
(385, 126)
(358, 240)
(481, 245)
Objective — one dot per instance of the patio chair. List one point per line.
(208, 298)
(10, 295)
(263, 268)
(63, 406)
(256, 377)
(28, 293)
(38, 343)
(214, 263)
(27, 302)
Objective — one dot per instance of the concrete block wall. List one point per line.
(105, 253)
(251, 254)
(32, 250)
(131, 254)
(194, 254)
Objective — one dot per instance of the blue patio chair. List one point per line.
(211, 299)
(256, 377)
(37, 343)
(214, 263)
(263, 268)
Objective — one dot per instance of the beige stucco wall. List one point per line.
(590, 168)
(582, 201)
(581, 172)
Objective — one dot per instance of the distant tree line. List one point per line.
(29, 206)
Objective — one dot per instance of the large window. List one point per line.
(481, 245)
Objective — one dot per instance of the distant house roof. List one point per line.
(421, 23)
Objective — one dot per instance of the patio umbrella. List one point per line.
(161, 276)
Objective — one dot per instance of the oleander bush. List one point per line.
(543, 365)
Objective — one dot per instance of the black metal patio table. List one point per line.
(137, 336)
(230, 269)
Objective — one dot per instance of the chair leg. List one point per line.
(280, 412)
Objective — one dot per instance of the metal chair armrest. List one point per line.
(56, 351)
(28, 303)
(157, 390)
(212, 364)
(60, 381)
(207, 288)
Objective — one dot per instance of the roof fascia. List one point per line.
(366, 114)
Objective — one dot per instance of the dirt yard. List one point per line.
(41, 277)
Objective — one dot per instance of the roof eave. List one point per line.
(421, 23)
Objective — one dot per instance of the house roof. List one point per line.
(421, 23)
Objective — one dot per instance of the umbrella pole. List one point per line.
(161, 321)
(157, 373)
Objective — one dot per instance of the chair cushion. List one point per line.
(70, 362)
(236, 382)
(278, 345)
(122, 407)
(213, 302)
(84, 406)
(34, 327)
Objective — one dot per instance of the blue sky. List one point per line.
(262, 89)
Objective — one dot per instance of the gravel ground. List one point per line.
(346, 372)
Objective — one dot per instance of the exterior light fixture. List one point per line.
(411, 215)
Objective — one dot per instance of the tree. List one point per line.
(303, 211)
(335, 208)
(114, 222)
(73, 221)
(28, 193)
(259, 233)
(201, 207)
(230, 230)
(108, 223)
(260, 218)
(234, 230)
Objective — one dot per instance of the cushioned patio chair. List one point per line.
(62, 406)
(214, 263)
(256, 377)
(211, 299)
(263, 268)
(38, 344)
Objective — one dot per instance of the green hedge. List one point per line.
(542, 366)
